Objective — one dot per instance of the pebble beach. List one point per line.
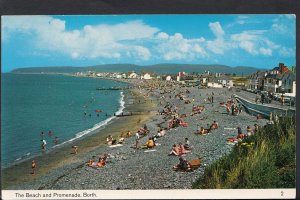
(128, 168)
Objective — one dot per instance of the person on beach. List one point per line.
(137, 139)
(214, 125)
(150, 143)
(187, 144)
(240, 134)
(249, 131)
(258, 116)
(183, 164)
(232, 109)
(121, 140)
(202, 131)
(128, 134)
(101, 162)
(110, 140)
(75, 148)
(175, 150)
(256, 128)
(33, 167)
(44, 143)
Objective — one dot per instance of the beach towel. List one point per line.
(116, 145)
(232, 139)
(151, 150)
(185, 125)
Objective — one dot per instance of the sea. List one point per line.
(66, 107)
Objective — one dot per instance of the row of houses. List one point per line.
(217, 80)
(278, 80)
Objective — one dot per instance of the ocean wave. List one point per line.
(98, 125)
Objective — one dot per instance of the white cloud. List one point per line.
(287, 52)
(176, 47)
(162, 35)
(102, 41)
(255, 42)
(265, 51)
(218, 45)
(216, 29)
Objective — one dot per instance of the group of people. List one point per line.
(100, 163)
(204, 131)
(249, 131)
(180, 149)
(43, 140)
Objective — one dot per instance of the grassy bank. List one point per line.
(268, 163)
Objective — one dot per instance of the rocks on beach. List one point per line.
(128, 168)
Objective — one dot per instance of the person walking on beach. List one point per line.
(33, 166)
(137, 138)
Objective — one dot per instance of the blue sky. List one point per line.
(260, 41)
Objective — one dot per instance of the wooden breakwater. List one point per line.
(265, 109)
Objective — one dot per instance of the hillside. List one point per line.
(158, 68)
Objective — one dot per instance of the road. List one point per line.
(251, 96)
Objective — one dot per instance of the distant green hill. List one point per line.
(158, 68)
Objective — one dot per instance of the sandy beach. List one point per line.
(129, 168)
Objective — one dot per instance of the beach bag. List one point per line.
(195, 163)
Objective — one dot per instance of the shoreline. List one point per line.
(129, 168)
(60, 156)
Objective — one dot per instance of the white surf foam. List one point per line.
(98, 125)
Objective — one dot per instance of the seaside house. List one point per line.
(168, 78)
(273, 80)
(132, 75)
(180, 75)
(288, 83)
(224, 80)
(146, 76)
(124, 75)
(214, 83)
(203, 78)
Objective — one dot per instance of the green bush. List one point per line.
(268, 163)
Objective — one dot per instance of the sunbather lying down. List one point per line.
(100, 163)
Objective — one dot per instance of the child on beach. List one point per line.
(33, 166)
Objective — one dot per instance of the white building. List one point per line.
(168, 78)
(146, 76)
(132, 75)
(119, 76)
(180, 74)
(214, 85)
